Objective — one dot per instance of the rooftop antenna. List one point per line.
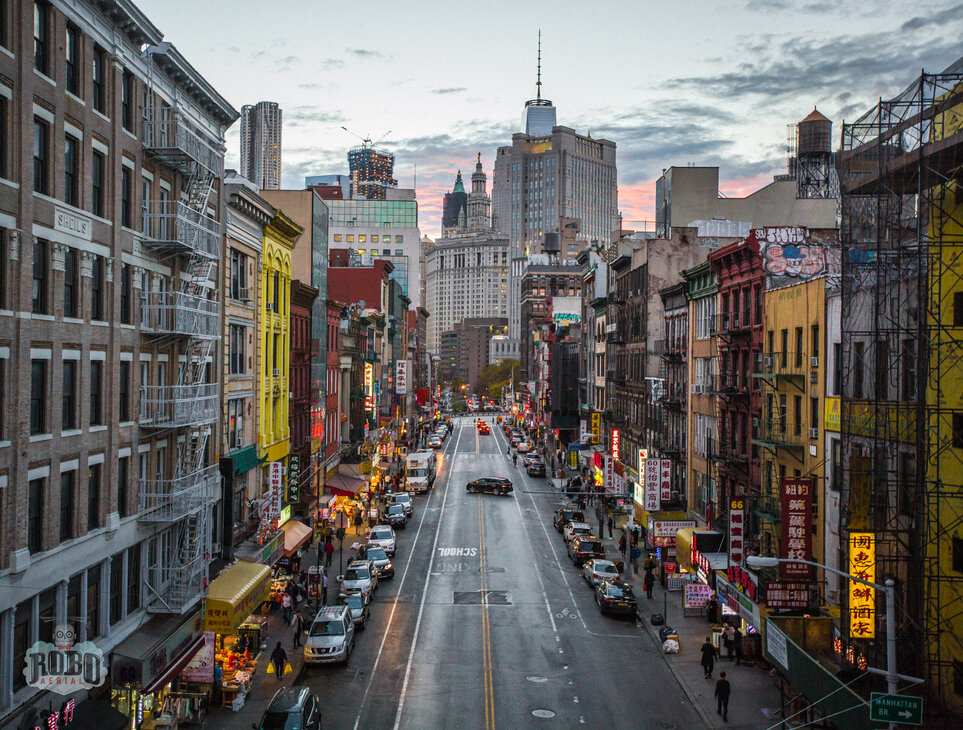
(538, 83)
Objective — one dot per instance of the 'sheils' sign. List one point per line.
(63, 667)
(737, 514)
(797, 523)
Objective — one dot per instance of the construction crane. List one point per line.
(366, 141)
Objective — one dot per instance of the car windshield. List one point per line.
(587, 546)
(402, 497)
(327, 628)
(618, 592)
(355, 602)
(375, 553)
(281, 721)
(605, 568)
(396, 509)
(582, 530)
(356, 574)
(417, 472)
(380, 534)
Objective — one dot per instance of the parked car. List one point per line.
(596, 570)
(536, 469)
(295, 706)
(516, 440)
(434, 442)
(377, 555)
(524, 447)
(573, 529)
(490, 485)
(330, 638)
(384, 537)
(359, 577)
(616, 598)
(564, 515)
(395, 516)
(360, 612)
(585, 547)
(404, 499)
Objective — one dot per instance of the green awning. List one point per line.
(245, 459)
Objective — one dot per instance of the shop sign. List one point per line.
(596, 423)
(737, 514)
(696, 595)
(651, 482)
(862, 598)
(609, 473)
(741, 604)
(64, 667)
(782, 595)
(294, 478)
(271, 549)
(743, 579)
(662, 532)
(638, 494)
(275, 490)
(401, 377)
(201, 667)
(583, 432)
(797, 516)
(615, 444)
(573, 459)
(665, 479)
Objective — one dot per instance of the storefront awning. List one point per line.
(343, 485)
(295, 535)
(234, 594)
(98, 715)
(175, 667)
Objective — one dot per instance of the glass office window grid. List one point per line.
(373, 213)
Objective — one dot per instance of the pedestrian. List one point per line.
(722, 696)
(296, 562)
(279, 659)
(729, 640)
(738, 647)
(621, 542)
(649, 564)
(711, 610)
(611, 526)
(324, 585)
(648, 582)
(634, 555)
(297, 623)
(218, 674)
(286, 607)
(328, 553)
(708, 657)
(601, 516)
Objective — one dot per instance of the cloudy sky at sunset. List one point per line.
(671, 83)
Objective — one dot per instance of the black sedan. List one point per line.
(395, 516)
(490, 485)
(615, 598)
(536, 469)
(564, 515)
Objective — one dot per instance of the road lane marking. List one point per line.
(394, 605)
(424, 595)
(486, 628)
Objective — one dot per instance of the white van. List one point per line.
(419, 471)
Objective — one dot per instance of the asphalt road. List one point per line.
(487, 624)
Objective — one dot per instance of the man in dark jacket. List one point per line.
(297, 623)
(722, 696)
(708, 657)
(279, 658)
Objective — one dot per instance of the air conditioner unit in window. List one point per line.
(814, 362)
(698, 389)
(814, 376)
(814, 433)
(277, 373)
(767, 361)
(270, 306)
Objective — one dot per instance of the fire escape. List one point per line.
(181, 232)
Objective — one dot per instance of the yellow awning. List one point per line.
(235, 594)
(295, 535)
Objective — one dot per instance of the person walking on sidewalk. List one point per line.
(612, 525)
(286, 607)
(601, 516)
(297, 623)
(621, 540)
(279, 659)
(648, 582)
(708, 657)
(729, 640)
(722, 696)
(634, 555)
(328, 553)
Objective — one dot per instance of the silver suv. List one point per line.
(359, 577)
(331, 636)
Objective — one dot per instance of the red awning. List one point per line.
(175, 667)
(343, 485)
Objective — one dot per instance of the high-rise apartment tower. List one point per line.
(261, 144)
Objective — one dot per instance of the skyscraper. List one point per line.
(454, 207)
(261, 144)
(538, 117)
(371, 172)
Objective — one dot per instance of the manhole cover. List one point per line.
(543, 713)
(478, 598)
(537, 680)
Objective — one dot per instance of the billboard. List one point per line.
(797, 527)
(401, 377)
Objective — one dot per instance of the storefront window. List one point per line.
(21, 635)
(133, 579)
(116, 574)
(93, 603)
(73, 602)
(47, 616)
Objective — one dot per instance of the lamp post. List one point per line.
(757, 561)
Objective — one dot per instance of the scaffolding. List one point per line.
(900, 168)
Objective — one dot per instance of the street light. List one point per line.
(758, 561)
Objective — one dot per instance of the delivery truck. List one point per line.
(419, 471)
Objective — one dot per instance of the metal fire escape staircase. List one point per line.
(190, 316)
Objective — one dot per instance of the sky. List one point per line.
(701, 82)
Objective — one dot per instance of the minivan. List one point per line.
(331, 636)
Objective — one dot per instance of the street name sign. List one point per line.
(902, 709)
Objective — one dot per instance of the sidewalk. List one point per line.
(754, 696)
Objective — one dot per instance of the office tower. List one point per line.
(261, 144)
(371, 172)
(538, 116)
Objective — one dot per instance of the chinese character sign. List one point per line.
(596, 424)
(609, 482)
(650, 480)
(797, 523)
(862, 598)
(401, 377)
(294, 478)
(276, 490)
(615, 444)
(737, 516)
(665, 479)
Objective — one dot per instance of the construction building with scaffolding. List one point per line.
(901, 417)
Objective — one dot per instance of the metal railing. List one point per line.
(170, 139)
(169, 500)
(782, 364)
(779, 434)
(728, 384)
(725, 323)
(178, 313)
(177, 406)
(173, 227)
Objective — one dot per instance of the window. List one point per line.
(337, 238)
(123, 477)
(236, 349)
(144, 197)
(957, 423)
(114, 602)
(68, 481)
(93, 496)
(21, 642)
(123, 397)
(125, 294)
(399, 239)
(799, 347)
(958, 554)
(71, 171)
(35, 508)
(41, 142)
(38, 396)
(958, 309)
(235, 423)
(70, 283)
(276, 291)
(4, 123)
(814, 352)
(93, 603)
(782, 414)
(133, 579)
(41, 37)
(40, 272)
(127, 101)
(47, 615)
(907, 484)
(97, 288)
(72, 58)
(238, 276)
(99, 77)
(837, 368)
(126, 193)
(96, 392)
(68, 397)
(97, 169)
(362, 238)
